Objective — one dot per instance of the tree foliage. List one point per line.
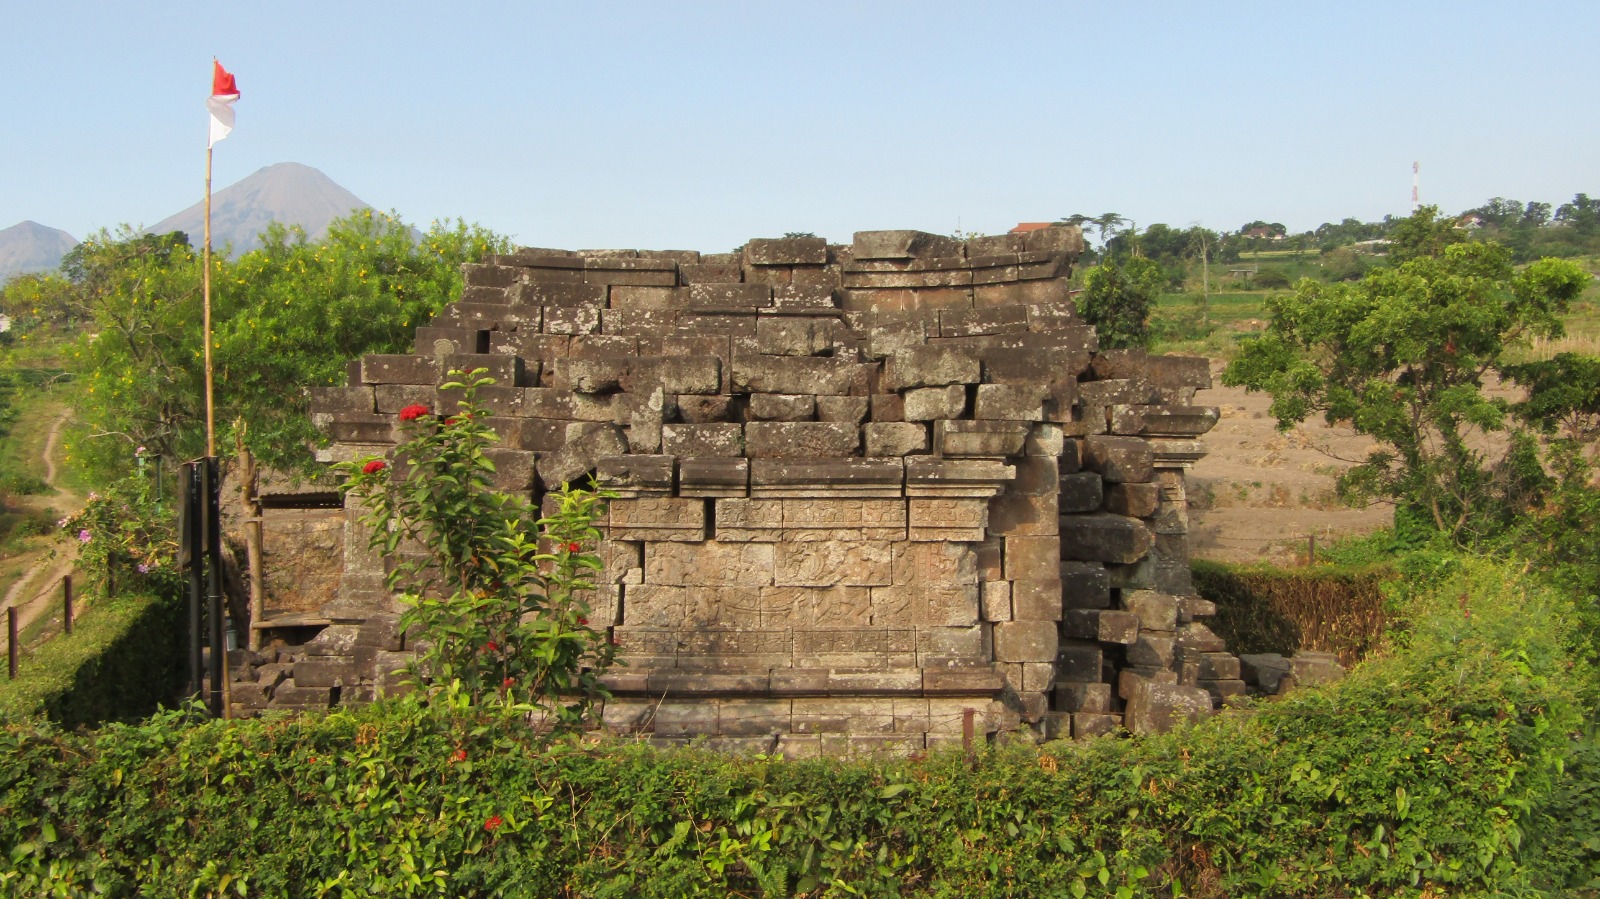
(1402, 356)
(1117, 298)
(285, 318)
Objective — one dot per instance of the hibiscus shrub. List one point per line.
(499, 595)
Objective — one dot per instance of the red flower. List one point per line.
(413, 412)
(573, 547)
(460, 755)
(493, 822)
(491, 646)
(583, 621)
(376, 465)
(507, 682)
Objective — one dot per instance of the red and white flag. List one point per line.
(224, 91)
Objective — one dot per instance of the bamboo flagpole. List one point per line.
(224, 92)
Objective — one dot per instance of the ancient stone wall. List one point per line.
(864, 488)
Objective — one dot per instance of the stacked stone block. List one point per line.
(865, 491)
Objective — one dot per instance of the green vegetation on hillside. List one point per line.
(286, 317)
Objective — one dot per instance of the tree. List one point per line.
(1401, 356)
(285, 318)
(1423, 233)
(1117, 297)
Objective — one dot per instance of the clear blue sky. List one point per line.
(698, 125)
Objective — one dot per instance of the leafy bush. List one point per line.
(496, 615)
(1420, 774)
(123, 661)
(128, 537)
(1117, 298)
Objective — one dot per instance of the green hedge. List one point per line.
(123, 661)
(1416, 775)
(1339, 609)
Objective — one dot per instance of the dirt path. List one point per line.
(35, 591)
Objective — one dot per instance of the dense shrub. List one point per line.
(1338, 609)
(122, 662)
(1418, 774)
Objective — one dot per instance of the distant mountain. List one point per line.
(32, 247)
(288, 192)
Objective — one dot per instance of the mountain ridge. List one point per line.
(28, 247)
(288, 192)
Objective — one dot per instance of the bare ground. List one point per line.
(34, 592)
(1260, 493)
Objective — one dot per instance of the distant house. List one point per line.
(1471, 221)
(1025, 227)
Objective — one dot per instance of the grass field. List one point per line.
(1177, 326)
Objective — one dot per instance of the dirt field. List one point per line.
(1260, 493)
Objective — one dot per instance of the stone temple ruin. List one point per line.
(870, 493)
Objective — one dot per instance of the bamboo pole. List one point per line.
(211, 434)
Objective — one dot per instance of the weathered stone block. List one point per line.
(399, 369)
(1080, 661)
(1037, 558)
(1152, 650)
(888, 407)
(1264, 670)
(636, 474)
(1156, 611)
(1192, 607)
(931, 366)
(925, 605)
(1036, 600)
(1314, 668)
(976, 438)
(1133, 500)
(586, 444)
(1119, 459)
(902, 245)
(1104, 625)
(995, 601)
(786, 251)
(935, 403)
(800, 440)
(1200, 638)
(713, 476)
(719, 439)
(1083, 491)
(1085, 585)
(1013, 402)
(325, 671)
(1102, 537)
(656, 518)
(1219, 666)
(704, 409)
(1026, 641)
(1157, 708)
(710, 564)
(849, 409)
(1022, 515)
(1088, 725)
(1080, 697)
(782, 407)
(817, 375)
(292, 695)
